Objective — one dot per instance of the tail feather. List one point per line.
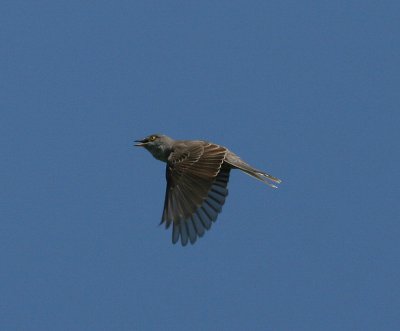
(238, 163)
(263, 177)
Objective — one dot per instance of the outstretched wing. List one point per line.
(197, 182)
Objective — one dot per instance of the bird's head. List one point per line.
(158, 145)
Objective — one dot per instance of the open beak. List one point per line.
(140, 143)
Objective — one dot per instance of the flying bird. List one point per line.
(197, 176)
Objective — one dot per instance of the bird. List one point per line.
(197, 175)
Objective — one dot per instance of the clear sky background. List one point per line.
(305, 90)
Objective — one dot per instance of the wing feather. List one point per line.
(197, 180)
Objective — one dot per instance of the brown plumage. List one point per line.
(197, 176)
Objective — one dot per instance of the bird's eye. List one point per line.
(152, 138)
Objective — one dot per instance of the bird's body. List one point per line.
(197, 177)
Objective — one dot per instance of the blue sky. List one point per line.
(305, 90)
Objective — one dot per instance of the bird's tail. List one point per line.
(264, 177)
(257, 174)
